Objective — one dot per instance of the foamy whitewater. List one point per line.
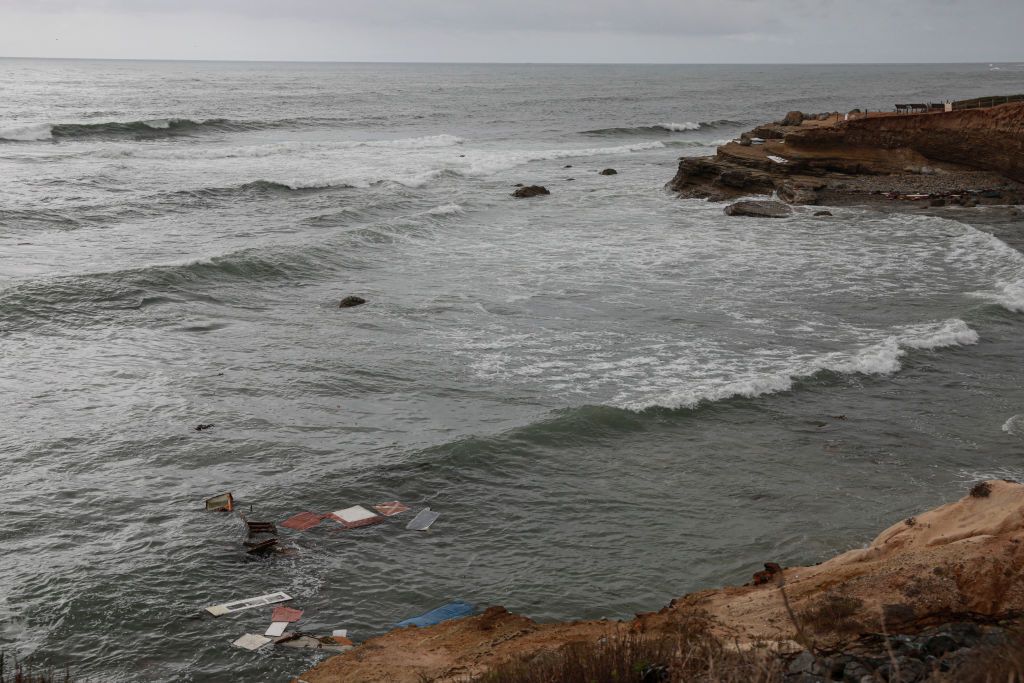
(612, 396)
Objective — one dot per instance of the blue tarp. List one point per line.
(453, 610)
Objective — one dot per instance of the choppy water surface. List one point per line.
(611, 395)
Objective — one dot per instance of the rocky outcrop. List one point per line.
(962, 157)
(759, 209)
(962, 562)
(530, 191)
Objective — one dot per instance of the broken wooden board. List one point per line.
(391, 508)
(303, 521)
(276, 629)
(286, 614)
(225, 502)
(247, 603)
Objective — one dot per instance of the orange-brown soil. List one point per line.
(964, 560)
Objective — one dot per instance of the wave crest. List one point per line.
(660, 128)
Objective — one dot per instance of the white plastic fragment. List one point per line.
(239, 605)
(423, 520)
(251, 641)
(343, 632)
(778, 160)
(276, 629)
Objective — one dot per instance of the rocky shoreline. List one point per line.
(967, 158)
(927, 600)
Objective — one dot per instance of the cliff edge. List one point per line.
(962, 562)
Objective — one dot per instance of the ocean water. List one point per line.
(611, 395)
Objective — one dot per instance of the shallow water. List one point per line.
(612, 396)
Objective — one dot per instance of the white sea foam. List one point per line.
(1014, 425)
(37, 132)
(680, 127)
(446, 210)
(158, 124)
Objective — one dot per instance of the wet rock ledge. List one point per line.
(938, 596)
(967, 157)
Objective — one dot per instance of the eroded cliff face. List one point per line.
(964, 560)
(983, 139)
(964, 157)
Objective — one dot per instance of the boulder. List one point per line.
(759, 209)
(350, 301)
(822, 213)
(793, 118)
(530, 191)
(746, 139)
(609, 171)
(797, 194)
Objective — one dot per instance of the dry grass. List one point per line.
(688, 653)
(835, 613)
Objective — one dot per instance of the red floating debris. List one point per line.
(390, 509)
(286, 614)
(302, 521)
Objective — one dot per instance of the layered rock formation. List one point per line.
(962, 156)
(962, 562)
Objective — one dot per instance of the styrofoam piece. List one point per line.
(423, 520)
(343, 632)
(354, 514)
(248, 603)
(276, 629)
(251, 641)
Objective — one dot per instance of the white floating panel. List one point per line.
(251, 641)
(356, 513)
(423, 520)
(239, 605)
(276, 629)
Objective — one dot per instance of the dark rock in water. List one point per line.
(793, 118)
(609, 171)
(567, 166)
(350, 301)
(822, 213)
(202, 428)
(530, 191)
(518, 185)
(760, 209)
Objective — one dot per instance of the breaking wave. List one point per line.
(1014, 425)
(882, 358)
(150, 128)
(661, 128)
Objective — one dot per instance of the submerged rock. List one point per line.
(609, 171)
(530, 191)
(350, 301)
(825, 213)
(759, 209)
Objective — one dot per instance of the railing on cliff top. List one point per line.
(983, 102)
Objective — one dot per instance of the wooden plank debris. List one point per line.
(251, 641)
(220, 503)
(390, 509)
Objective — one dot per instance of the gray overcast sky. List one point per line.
(519, 30)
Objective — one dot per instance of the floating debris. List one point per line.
(225, 502)
(391, 509)
(339, 633)
(261, 528)
(276, 629)
(202, 428)
(261, 547)
(423, 520)
(452, 610)
(286, 614)
(356, 516)
(251, 641)
(247, 603)
(303, 521)
(304, 641)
